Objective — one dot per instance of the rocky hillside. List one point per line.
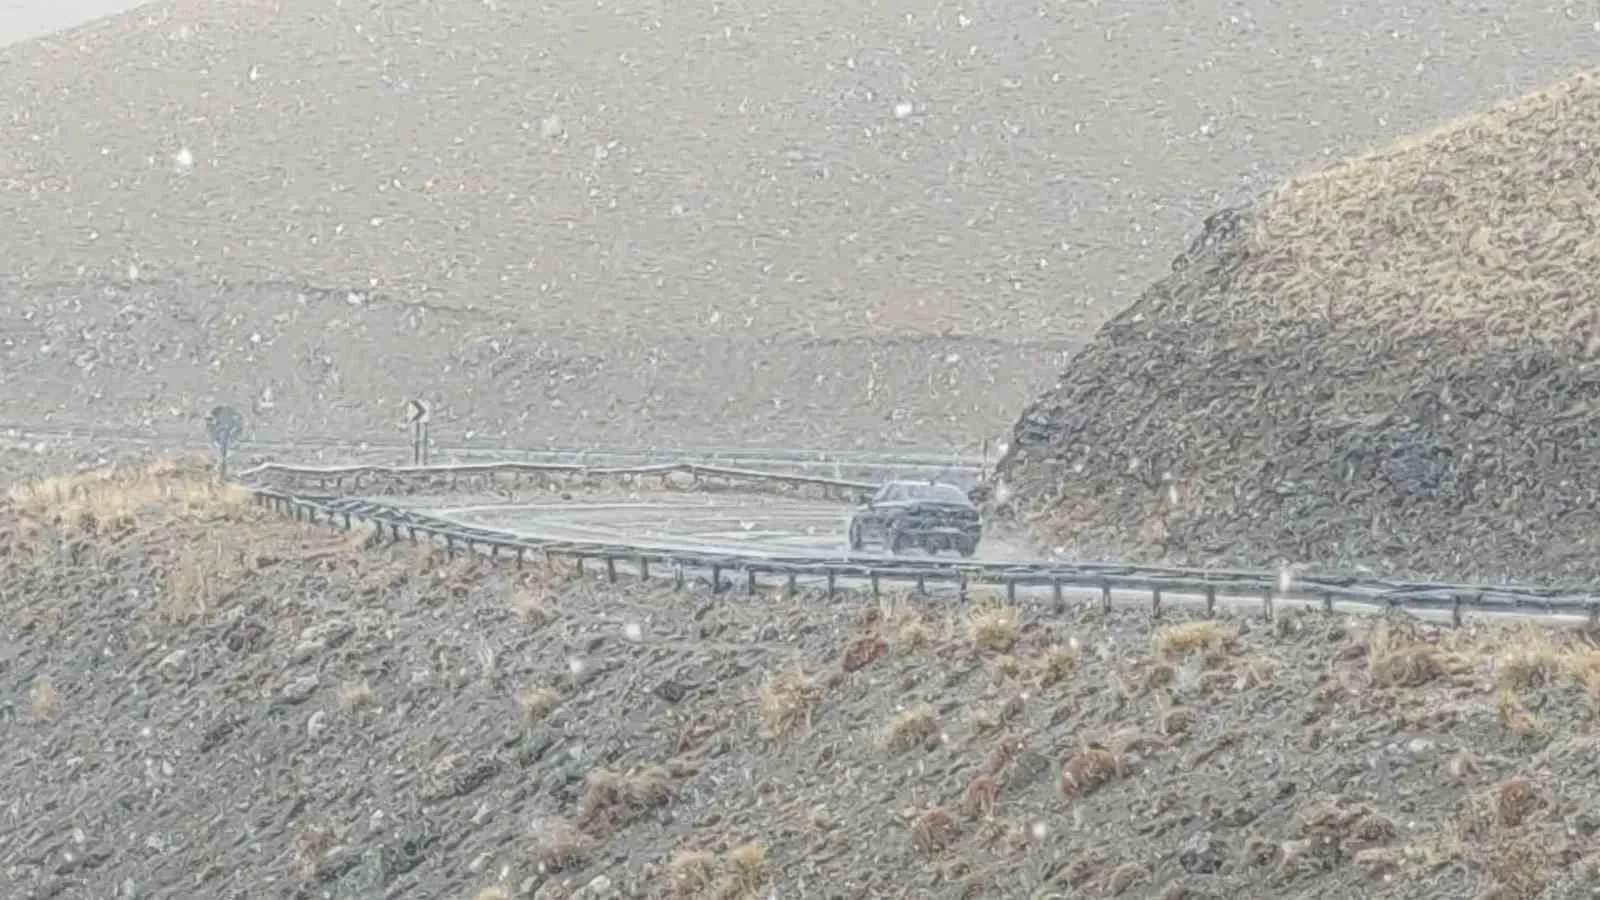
(1391, 362)
(201, 701)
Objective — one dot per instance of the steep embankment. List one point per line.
(1392, 362)
(201, 701)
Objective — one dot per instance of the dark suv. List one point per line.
(923, 514)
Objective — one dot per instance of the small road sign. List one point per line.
(417, 412)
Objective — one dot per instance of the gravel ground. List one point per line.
(203, 701)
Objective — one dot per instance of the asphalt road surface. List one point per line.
(734, 523)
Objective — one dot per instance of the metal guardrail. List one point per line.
(357, 476)
(389, 522)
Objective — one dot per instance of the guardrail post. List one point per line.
(1056, 595)
(311, 514)
(644, 568)
(1455, 610)
(611, 569)
(450, 545)
(922, 585)
(1155, 603)
(750, 580)
(1211, 600)
(789, 586)
(1011, 590)
(875, 592)
(1105, 596)
(716, 579)
(1327, 602)
(832, 580)
(578, 565)
(1266, 604)
(494, 551)
(520, 554)
(961, 588)
(346, 521)
(677, 576)
(412, 532)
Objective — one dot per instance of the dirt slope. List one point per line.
(202, 702)
(1390, 362)
(897, 214)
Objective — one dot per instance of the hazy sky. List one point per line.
(22, 19)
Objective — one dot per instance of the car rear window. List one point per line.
(944, 493)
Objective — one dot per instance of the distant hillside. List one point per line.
(1392, 362)
(622, 175)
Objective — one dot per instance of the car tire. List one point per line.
(897, 542)
(967, 547)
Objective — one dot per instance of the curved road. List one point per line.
(735, 523)
(755, 525)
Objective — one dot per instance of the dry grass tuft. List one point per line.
(530, 608)
(534, 702)
(910, 728)
(1529, 657)
(113, 499)
(747, 872)
(690, 873)
(1515, 716)
(863, 652)
(993, 626)
(189, 590)
(1514, 801)
(788, 701)
(981, 795)
(44, 701)
(355, 695)
(933, 829)
(1054, 665)
(559, 845)
(611, 798)
(1208, 637)
(493, 892)
(1584, 669)
(1396, 657)
(1006, 667)
(1088, 770)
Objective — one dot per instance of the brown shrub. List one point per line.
(1054, 665)
(862, 652)
(993, 626)
(933, 829)
(559, 845)
(690, 873)
(1206, 637)
(534, 702)
(981, 794)
(787, 701)
(910, 728)
(1087, 770)
(747, 872)
(611, 798)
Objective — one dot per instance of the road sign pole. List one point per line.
(417, 413)
(224, 426)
